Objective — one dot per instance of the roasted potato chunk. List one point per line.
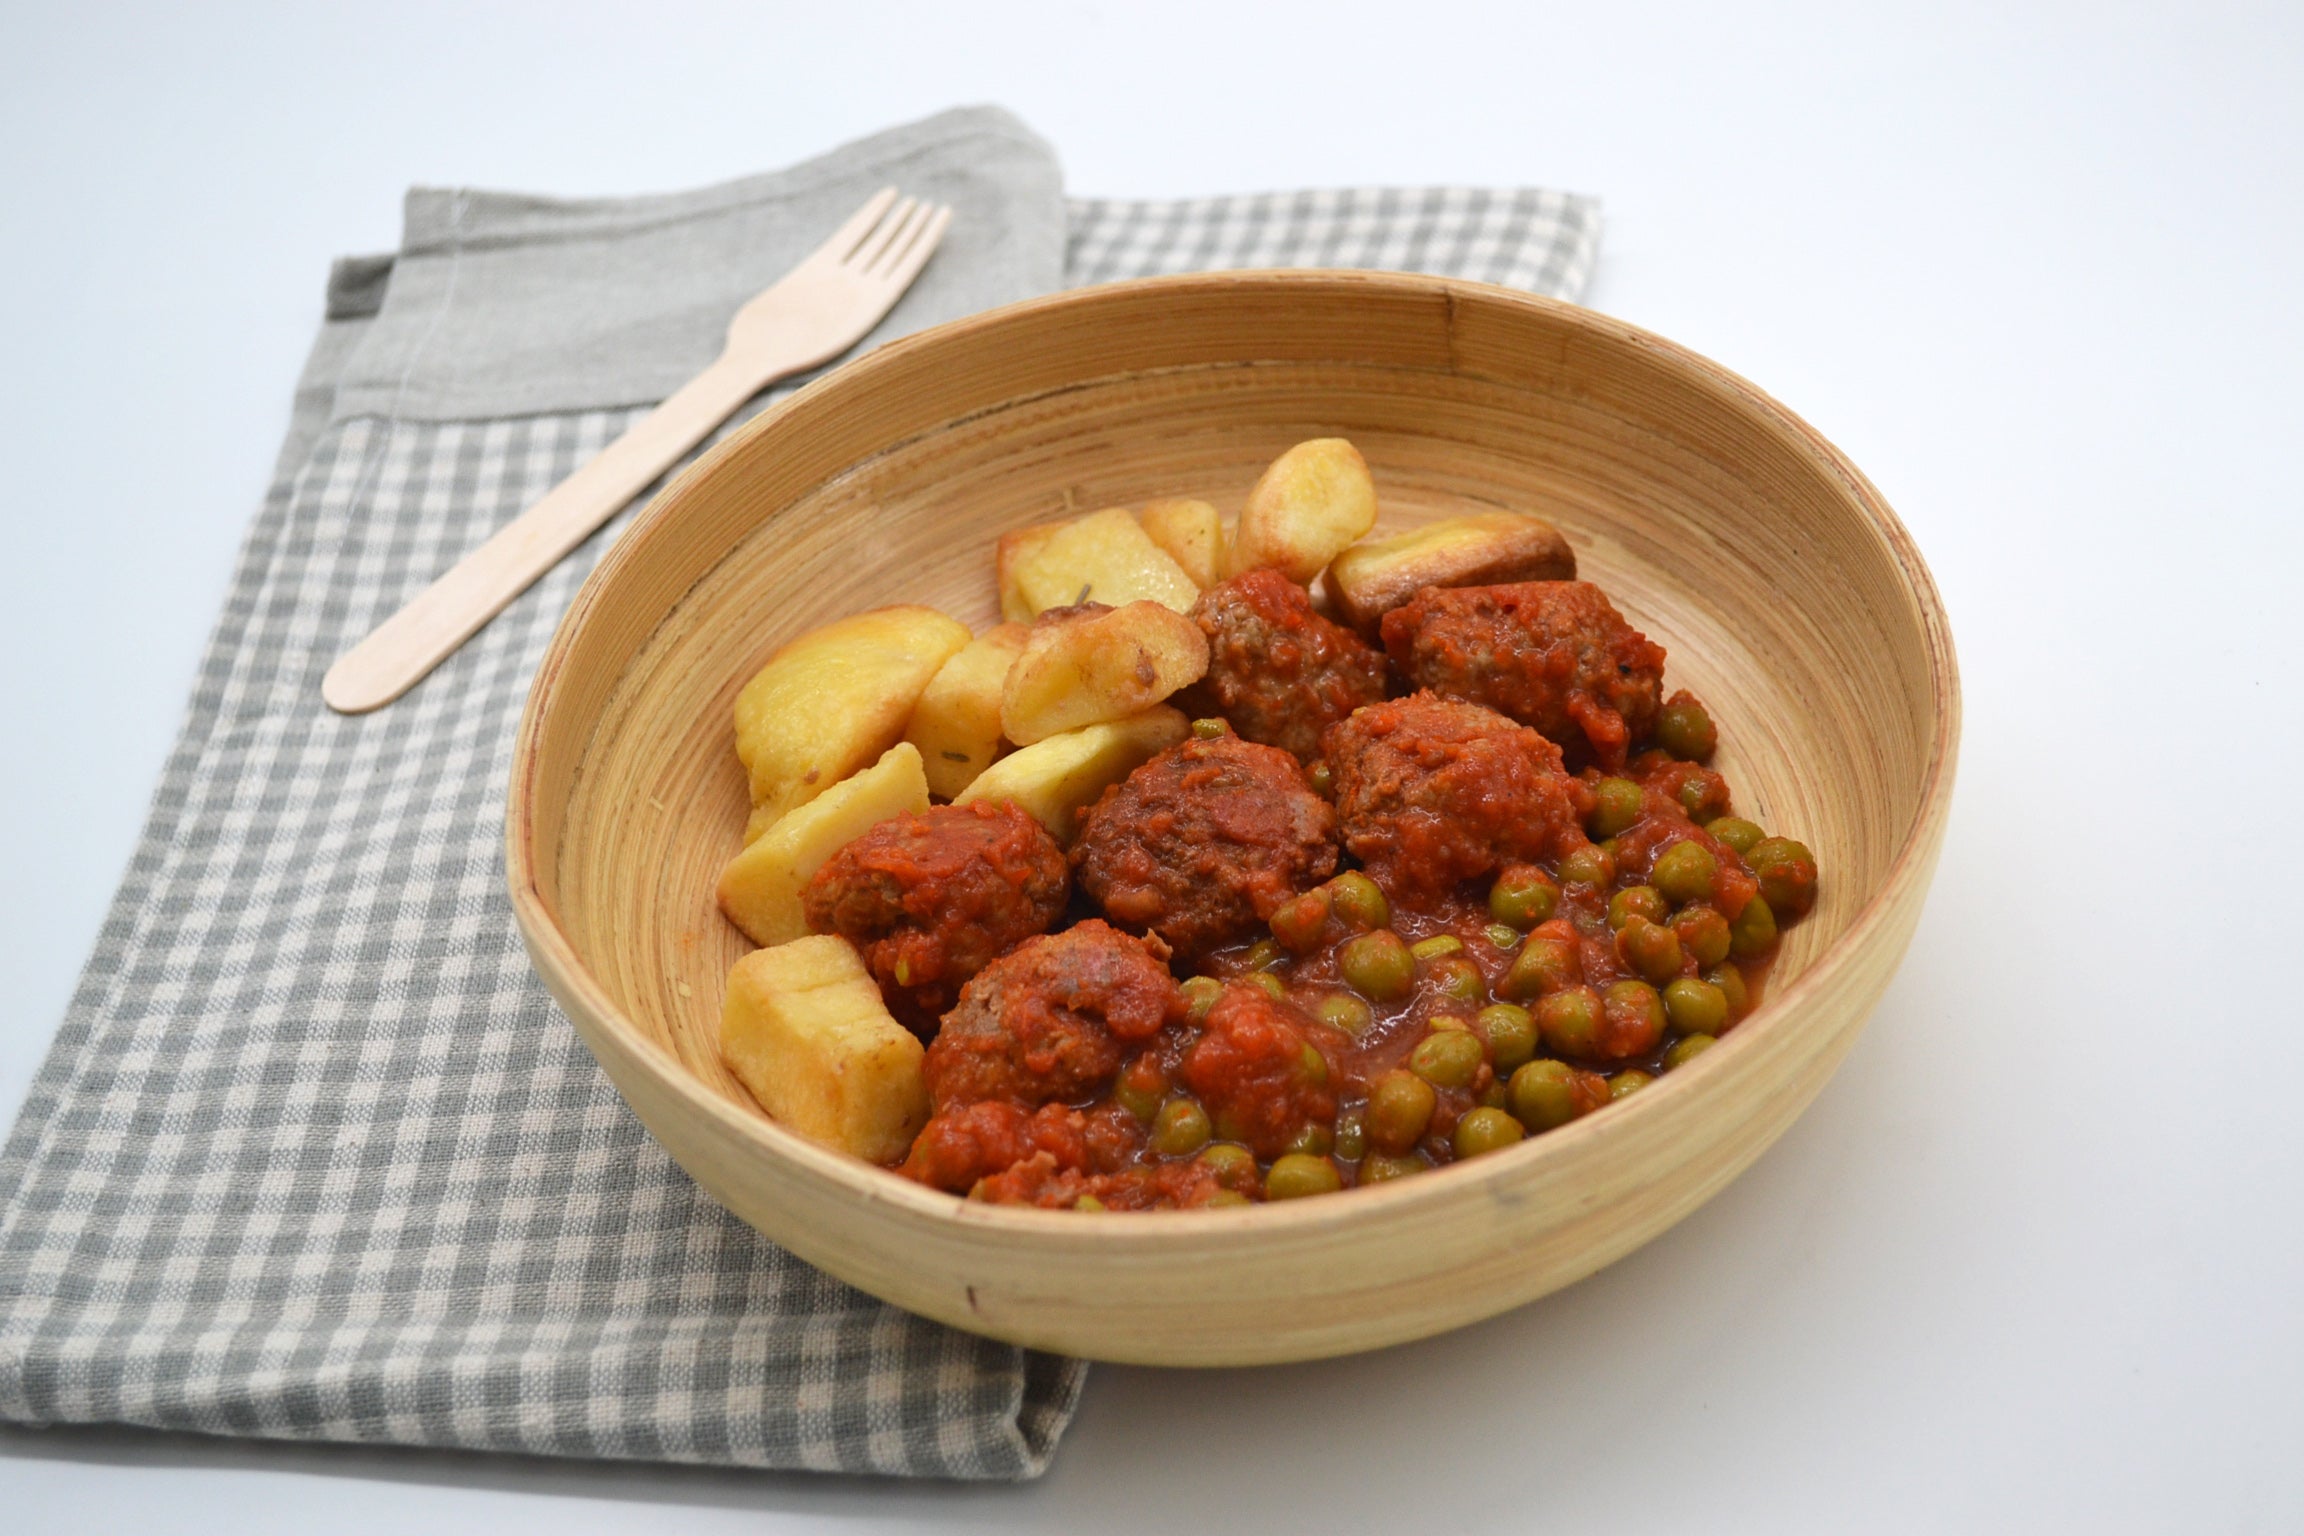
(1081, 666)
(956, 724)
(1015, 547)
(1105, 557)
(836, 698)
(1485, 549)
(805, 1030)
(1193, 535)
(760, 888)
(1054, 779)
(1310, 506)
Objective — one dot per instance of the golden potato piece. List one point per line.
(1105, 557)
(805, 1030)
(760, 888)
(1015, 547)
(1376, 576)
(956, 724)
(1311, 505)
(1084, 666)
(836, 698)
(1053, 780)
(1191, 533)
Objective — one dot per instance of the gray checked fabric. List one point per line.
(313, 1155)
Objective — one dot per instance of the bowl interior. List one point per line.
(1792, 620)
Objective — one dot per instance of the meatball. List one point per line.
(1046, 1022)
(1258, 1072)
(1432, 791)
(1552, 654)
(930, 900)
(1278, 671)
(974, 1141)
(1202, 843)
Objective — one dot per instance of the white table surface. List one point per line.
(2032, 1261)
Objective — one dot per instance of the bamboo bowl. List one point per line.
(1789, 596)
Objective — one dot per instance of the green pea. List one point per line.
(1590, 865)
(1299, 1174)
(1447, 1058)
(1314, 1139)
(1685, 871)
(1686, 1050)
(1703, 796)
(1341, 1010)
(1300, 924)
(1400, 1107)
(1321, 777)
(1615, 805)
(1088, 1203)
(1485, 1130)
(1627, 1082)
(1637, 901)
(1352, 1135)
(1502, 935)
(1211, 728)
(1436, 946)
(1729, 979)
(1358, 900)
(1786, 871)
(1569, 1020)
(1651, 949)
(1180, 1129)
(1225, 1197)
(1200, 994)
(1233, 1164)
(1695, 1007)
(1752, 931)
(1736, 832)
(1270, 985)
(1685, 730)
(1380, 1166)
(1523, 896)
(1459, 978)
(1378, 966)
(1447, 1021)
(1546, 965)
(1542, 1095)
(1703, 933)
(1311, 1066)
(1637, 1016)
(1141, 1087)
(1264, 954)
(1510, 1032)
(1493, 1096)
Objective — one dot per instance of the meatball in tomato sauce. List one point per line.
(1555, 655)
(930, 900)
(1278, 671)
(1048, 1021)
(1257, 1070)
(1432, 792)
(1204, 842)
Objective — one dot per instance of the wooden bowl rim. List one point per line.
(556, 958)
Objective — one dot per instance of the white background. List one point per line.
(2032, 1261)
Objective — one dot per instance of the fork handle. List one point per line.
(399, 652)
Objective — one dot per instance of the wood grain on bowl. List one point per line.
(1790, 598)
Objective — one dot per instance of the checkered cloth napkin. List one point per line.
(314, 1156)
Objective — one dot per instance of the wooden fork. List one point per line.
(815, 312)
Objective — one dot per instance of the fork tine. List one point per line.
(876, 244)
(915, 256)
(900, 240)
(848, 236)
